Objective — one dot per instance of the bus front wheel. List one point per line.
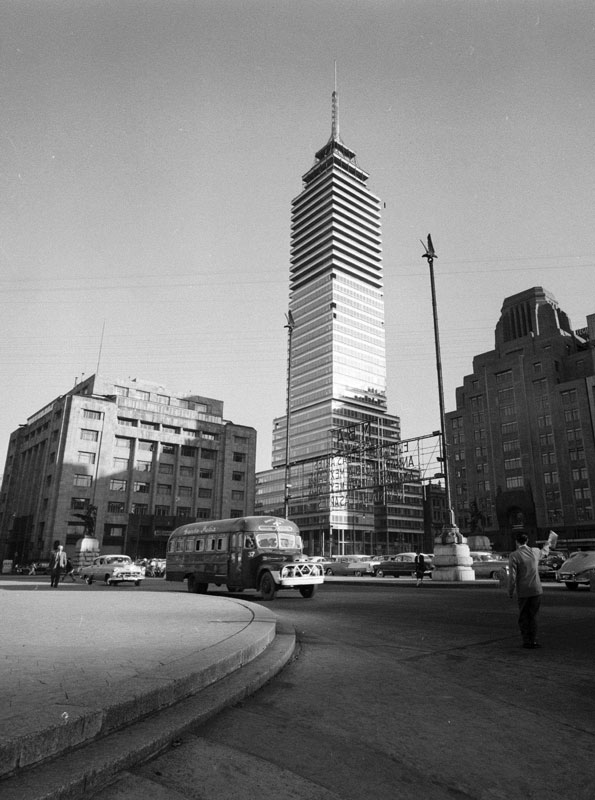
(267, 587)
(308, 591)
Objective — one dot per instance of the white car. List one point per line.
(113, 569)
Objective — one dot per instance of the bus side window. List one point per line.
(199, 544)
(222, 543)
(189, 544)
(179, 544)
(249, 542)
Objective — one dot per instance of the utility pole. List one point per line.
(452, 558)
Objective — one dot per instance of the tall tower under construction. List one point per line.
(336, 388)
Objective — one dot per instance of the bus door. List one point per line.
(234, 564)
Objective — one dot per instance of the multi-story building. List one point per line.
(521, 442)
(337, 409)
(146, 459)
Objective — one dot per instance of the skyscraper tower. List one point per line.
(337, 358)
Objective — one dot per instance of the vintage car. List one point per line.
(550, 564)
(489, 565)
(578, 570)
(354, 566)
(402, 564)
(113, 569)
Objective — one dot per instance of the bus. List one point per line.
(263, 553)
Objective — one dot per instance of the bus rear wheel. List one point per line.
(267, 586)
(308, 591)
(195, 587)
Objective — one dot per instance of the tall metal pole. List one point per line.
(290, 326)
(430, 255)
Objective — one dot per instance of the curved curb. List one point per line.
(91, 715)
(86, 769)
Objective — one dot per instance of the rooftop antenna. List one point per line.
(100, 348)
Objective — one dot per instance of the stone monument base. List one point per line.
(452, 559)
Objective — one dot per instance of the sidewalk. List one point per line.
(72, 675)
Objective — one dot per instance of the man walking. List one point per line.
(524, 578)
(57, 564)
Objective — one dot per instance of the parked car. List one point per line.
(403, 564)
(350, 565)
(489, 565)
(578, 569)
(550, 564)
(113, 569)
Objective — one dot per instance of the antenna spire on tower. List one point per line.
(335, 115)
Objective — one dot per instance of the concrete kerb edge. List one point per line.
(90, 716)
(75, 775)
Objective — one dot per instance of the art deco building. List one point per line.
(337, 369)
(521, 442)
(147, 459)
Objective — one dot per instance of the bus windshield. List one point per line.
(278, 541)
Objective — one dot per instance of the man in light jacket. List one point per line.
(524, 577)
(57, 564)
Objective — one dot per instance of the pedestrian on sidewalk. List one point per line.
(420, 567)
(524, 579)
(68, 571)
(57, 564)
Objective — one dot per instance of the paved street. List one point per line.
(402, 692)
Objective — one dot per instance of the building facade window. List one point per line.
(144, 444)
(88, 413)
(514, 482)
(142, 487)
(115, 507)
(164, 488)
(166, 469)
(569, 397)
(86, 458)
(117, 485)
(78, 503)
(82, 480)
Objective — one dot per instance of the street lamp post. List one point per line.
(290, 326)
(452, 559)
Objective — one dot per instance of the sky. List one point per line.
(150, 150)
